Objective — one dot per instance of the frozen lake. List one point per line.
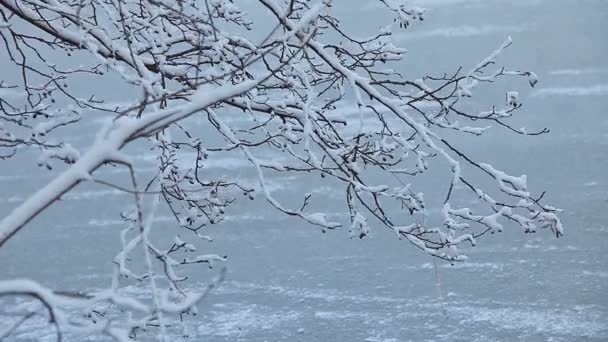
(287, 281)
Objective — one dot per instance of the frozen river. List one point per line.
(287, 281)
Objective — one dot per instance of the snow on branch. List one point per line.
(302, 98)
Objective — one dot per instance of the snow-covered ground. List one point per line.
(288, 282)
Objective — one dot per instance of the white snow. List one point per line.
(464, 31)
(591, 90)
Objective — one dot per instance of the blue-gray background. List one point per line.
(288, 282)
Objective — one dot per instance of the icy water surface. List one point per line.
(288, 282)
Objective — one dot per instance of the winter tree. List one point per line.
(288, 82)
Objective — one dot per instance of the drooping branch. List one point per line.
(334, 107)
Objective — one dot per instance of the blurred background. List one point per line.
(286, 281)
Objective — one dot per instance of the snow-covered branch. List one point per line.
(303, 88)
